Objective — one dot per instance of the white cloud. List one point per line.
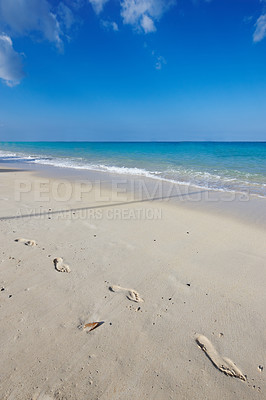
(160, 62)
(147, 24)
(109, 25)
(11, 70)
(51, 21)
(98, 5)
(248, 19)
(260, 32)
(76, 4)
(66, 15)
(23, 17)
(142, 14)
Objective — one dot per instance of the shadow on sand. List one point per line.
(11, 170)
(50, 213)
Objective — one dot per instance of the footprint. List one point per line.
(60, 266)
(223, 364)
(131, 293)
(27, 242)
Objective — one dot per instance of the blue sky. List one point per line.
(132, 70)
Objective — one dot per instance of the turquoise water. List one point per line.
(237, 166)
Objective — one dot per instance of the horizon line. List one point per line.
(133, 141)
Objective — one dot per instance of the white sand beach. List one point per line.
(179, 293)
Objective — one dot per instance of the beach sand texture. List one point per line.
(197, 282)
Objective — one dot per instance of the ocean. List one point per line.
(223, 166)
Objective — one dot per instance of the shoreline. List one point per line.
(213, 166)
(249, 208)
(162, 288)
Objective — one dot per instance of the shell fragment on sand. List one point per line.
(60, 266)
(93, 325)
(224, 364)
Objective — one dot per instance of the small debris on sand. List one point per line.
(93, 325)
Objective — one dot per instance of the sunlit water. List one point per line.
(237, 167)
